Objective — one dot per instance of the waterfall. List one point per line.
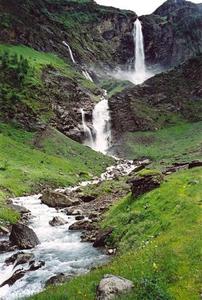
(101, 140)
(87, 75)
(87, 132)
(70, 52)
(102, 126)
(140, 67)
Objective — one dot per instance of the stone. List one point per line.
(4, 230)
(35, 265)
(23, 236)
(19, 258)
(20, 209)
(57, 199)
(87, 198)
(6, 246)
(79, 218)
(101, 237)
(18, 274)
(142, 184)
(82, 225)
(71, 211)
(57, 279)
(57, 221)
(112, 286)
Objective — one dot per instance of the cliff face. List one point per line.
(173, 33)
(162, 100)
(96, 34)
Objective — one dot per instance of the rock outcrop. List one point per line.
(56, 199)
(23, 236)
(112, 286)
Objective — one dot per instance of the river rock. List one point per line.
(57, 279)
(23, 236)
(57, 221)
(102, 237)
(19, 258)
(4, 230)
(71, 211)
(87, 198)
(82, 225)
(35, 265)
(141, 184)
(112, 286)
(18, 274)
(57, 199)
(79, 218)
(20, 209)
(6, 246)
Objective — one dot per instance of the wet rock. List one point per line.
(4, 230)
(73, 212)
(57, 221)
(89, 236)
(35, 265)
(57, 279)
(112, 286)
(19, 258)
(57, 199)
(18, 274)
(82, 225)
(145, 183)
(23, 236)
(79, 218)
(87, 198)
(20, 209)
(6, 246)
(102, 237)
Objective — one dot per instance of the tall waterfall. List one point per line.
(140, 67)
(101, 139)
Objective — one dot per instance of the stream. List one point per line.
(60, 248)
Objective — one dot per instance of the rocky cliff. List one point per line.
(162, 100)
(173, 33)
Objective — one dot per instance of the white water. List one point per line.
(88, 141)
(70, 52)
(61, 250)
(138, 72)
(87, 75)
(100, 140)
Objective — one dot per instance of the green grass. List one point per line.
(159, 240)
(25, 168)
(176, 143)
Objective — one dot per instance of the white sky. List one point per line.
(141, 7)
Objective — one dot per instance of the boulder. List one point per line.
(57, 199)
(20, 209)
(6, 246)
(71, 211)
(19, 258)
(23, 236)
(57, 221)
(35, 265)
(87, 198)
(112, 286)
(79, 218)
(82, 225)
(101, 237)
(57, 279)
(18, 274)
(142, 184)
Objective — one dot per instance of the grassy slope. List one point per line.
(159, 238)
(58, 162)
(176, 143)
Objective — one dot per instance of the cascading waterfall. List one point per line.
(70, 52)
(88, 141)
(87, 75)
(101, 139)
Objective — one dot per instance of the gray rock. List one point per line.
(57, 199)
(57, 279)
(57, 221)
(19, 258)
(18, 274)
(112, 286)
(23, 236)
(82, 225)
(35, 265)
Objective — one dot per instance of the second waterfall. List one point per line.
(100, 137)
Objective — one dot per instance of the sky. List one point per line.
(141, 7)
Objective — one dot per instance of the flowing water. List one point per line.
(70, 52)
(60, 248)
(87, 75)
(100, 140)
